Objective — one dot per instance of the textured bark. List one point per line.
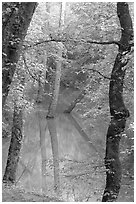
(118, 111)
(16, 17)
(15, 146)
(16, 136)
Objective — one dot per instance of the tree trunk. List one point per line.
(16, 136)
(118, 111)
(52, 124)
(16, 18)
(52, 108)
(42, 128)
(15, 146)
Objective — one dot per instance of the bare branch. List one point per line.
(71, 40)
(94, 70)
(77, 100)
(103, 43)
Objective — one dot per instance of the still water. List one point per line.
(75, 154)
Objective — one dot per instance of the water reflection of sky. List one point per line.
(72, 148)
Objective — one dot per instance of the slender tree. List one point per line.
(52, 109)
(42, 132)
(16, 17)
(118, 111)
(52, 123)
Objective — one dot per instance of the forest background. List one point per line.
(67, 42)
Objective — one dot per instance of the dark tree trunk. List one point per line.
(118, 111)
(16, 17)
(15, 146)
(16, 135)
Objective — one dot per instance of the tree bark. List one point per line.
(118, 111)
(16, 136)
(16, 17)
(15, 146)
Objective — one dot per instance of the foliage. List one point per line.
(81, 62)
(95, 21)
